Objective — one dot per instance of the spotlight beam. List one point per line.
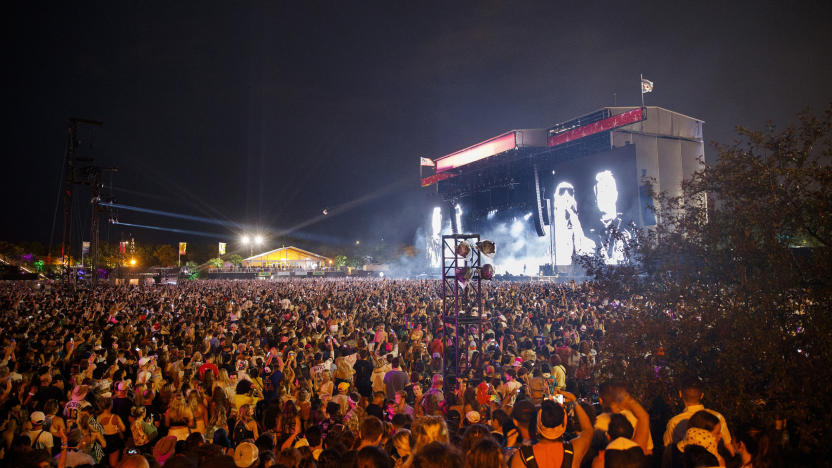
(345, 207)
(174, 215)
(180, 231)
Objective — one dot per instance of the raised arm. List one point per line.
(580, 444)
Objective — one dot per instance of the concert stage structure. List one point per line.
(571, 184)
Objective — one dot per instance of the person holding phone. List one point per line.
(551, 450)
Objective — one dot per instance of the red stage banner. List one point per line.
(618, 120)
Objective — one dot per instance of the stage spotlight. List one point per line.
(486, 247)
(462, 275)
(487, 271)
(463, 249)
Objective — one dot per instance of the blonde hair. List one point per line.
(177, 411)
(429, 429)
(402, 442)
(244, 413)
(343, 370)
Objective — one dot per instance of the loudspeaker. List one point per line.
(536, 203)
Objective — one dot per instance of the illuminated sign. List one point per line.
(618, 120)
(498, 144)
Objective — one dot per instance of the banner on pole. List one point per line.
(182, 247)
(222, 248)
(122, 247)
(646, 86)
(85, 247)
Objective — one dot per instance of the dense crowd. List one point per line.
(332, 374)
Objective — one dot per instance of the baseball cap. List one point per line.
(37, 417)
(473, 417)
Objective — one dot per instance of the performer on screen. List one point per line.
(612, 238)
(569, 235)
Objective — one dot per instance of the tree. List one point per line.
(734, 285)
(166, 255)
(215, 262)
(340, 261)
(236, 259)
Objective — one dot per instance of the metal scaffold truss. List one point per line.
(462, 304)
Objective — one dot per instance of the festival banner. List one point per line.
(85, 247)
(182, 247)
(222, 248)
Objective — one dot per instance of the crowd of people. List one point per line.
(322, 373)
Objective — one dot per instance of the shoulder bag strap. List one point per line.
(527, 456)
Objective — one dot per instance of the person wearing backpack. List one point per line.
(40, 438)
(550, 450)
(245, 427)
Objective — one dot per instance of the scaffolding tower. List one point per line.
(462, 310)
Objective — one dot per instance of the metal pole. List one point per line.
(640, 88)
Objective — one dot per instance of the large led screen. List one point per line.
(593, 197)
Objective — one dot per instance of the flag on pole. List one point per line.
(222, 248)
(646, 86)
(182, 247)
(427, 162)
(85, 247)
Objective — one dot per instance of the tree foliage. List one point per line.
(733, 287)
(166, 255)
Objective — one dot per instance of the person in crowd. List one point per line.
(551, 450)
(692, 395)
(701, 443)
(316, 373)
(113, 428)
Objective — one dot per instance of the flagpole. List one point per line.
(641, 87)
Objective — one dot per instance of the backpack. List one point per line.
(537, 387)
(527, 454)
(37, 444)
(241, 432)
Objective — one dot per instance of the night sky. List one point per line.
(265, 113)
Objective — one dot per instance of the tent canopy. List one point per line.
(287, 256)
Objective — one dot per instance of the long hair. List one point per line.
(429, 429)
(218, 418)
(177, 411)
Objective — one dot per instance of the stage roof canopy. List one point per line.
(289, 256)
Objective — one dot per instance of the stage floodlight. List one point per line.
(258, 239)
(463, 249)
(245, 240)
(463, 274)
(487, 247)
(487, 271)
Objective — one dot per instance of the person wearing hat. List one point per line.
(550, 450)
(472, 417)
(164, 449)
(341, 397)
(77, 400)
(40, 438)
(246, 455)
